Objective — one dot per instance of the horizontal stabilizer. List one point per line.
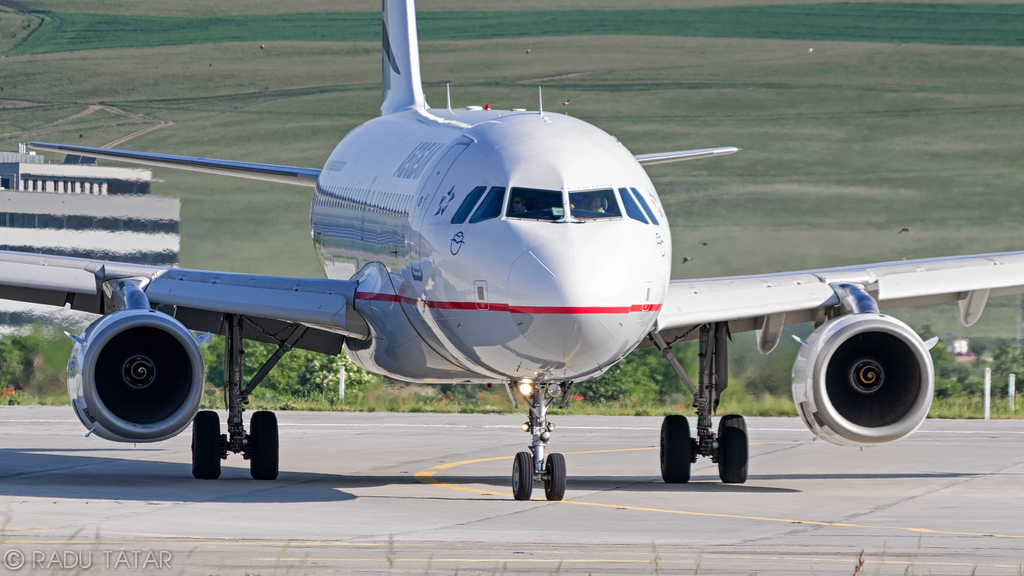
(665, 157)
(252, 170)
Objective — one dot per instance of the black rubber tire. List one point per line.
(263, 446)
(206, 445)
(554, 486)
(676, 450)
(522, 476)
(732, 449)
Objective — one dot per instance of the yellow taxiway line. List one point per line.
(427, 477)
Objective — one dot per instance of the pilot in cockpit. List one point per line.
(518, 206)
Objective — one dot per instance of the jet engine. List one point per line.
(863, 379)
(136, 375)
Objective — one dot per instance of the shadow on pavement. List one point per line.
(622, 484)
(37, 473)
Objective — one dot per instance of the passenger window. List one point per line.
(632, 209)
(491, 206)
(594, 204)
(535, 204)
(643, 203)
(467, 205)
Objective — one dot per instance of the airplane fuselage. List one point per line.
(487, 289)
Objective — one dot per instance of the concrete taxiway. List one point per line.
(429, 494)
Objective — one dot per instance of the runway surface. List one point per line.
(430, 494)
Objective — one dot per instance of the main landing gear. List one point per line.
(729, 446)
(531, 466)
(260, 445)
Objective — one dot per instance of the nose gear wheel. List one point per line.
(532, 466)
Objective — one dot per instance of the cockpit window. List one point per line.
(535, 204)
(491, 206)
(594, 204)
(632, 208)
(643, 204)
(467, 205)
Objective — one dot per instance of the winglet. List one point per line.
(400, 59)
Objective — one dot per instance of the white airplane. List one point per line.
(490, 246)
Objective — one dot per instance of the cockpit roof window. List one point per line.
(593, 204)
(643, 204)
(632, 208)
(534, 204)
(467, 205)
(491, 206)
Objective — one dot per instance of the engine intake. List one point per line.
(863, 380)
(136, 376)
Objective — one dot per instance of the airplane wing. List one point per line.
(271, 305)
(665, 157)
(251, 170)
(768, 302)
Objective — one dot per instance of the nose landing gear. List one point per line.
(531, 466)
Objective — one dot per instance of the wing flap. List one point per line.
(303, 300)
(923, 283)
(691, 303)
(745, 301)
(197, 298)
(251, 170)
(42, 277)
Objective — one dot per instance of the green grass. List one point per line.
(956, 24)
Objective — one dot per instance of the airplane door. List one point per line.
(433, 201)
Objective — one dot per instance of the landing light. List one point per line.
(525, 388)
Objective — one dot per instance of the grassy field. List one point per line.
(194, 8)
(842, 147)
(958, 24)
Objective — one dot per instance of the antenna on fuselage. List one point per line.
(448, 87)
(540, 97)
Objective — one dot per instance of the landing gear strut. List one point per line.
(531, 466)
(260, 446)
(728, 448)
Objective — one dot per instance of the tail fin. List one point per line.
(401, 58)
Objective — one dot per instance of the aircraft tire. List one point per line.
(732, 449)
(554, 486)
(522, 476)
(206, 445)
(264, 450)
(676, 450)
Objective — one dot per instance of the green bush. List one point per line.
(32, 370)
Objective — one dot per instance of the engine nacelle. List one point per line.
(136, 376)
(863, 380)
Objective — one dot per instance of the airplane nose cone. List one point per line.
(568, 300)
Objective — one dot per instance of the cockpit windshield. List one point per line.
(594, 204)
(534, 204)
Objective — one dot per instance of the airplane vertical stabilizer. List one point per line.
(401, 58)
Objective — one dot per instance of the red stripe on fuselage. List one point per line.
(495, 307)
